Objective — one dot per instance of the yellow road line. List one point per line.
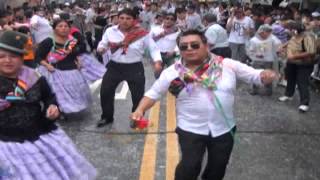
(148, 164)
(172, 154)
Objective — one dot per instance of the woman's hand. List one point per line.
(50, 68)
(101, 50)
(78, 63)
(53, 112)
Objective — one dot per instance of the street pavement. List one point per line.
(273, 142)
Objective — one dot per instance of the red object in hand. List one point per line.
(142, 123)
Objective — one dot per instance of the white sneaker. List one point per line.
(283, 83)
(285, 98)
(303, 108)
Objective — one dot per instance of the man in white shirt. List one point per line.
(217, 36)
(146, 16)
(262, 50)
(165, 37)
(193, 19)
(154, 11)
(126, 44)
(223, 14)
(168, 6)
(158, 21)
(90, 16)
(40, 26)
(181, 18)
(204, 85)
(241, 28)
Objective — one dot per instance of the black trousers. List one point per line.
(193, 147)
(30, 63)
(298, 75)
(89, 40)
(117, 72)
(224, 52)
(165, 62)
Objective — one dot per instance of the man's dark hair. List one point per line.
(28, 13)
(129, 12)
(192, 32)
(39, 8)
(154, 4)
(296, 25)
(9, 13)
(25, 5)
(180, 10)
(224, 5)
(23, 29)
(3, 14)
(15, 10)
(66, 16)
(191, 7)
(210, 18)
(172, 15)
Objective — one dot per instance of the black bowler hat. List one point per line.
(13, 41)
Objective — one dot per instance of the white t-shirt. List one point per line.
(263, 50)
(237, 34)
(40, 28)
(217, 36)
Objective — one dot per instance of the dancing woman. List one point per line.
(58, 61)
(32, 146)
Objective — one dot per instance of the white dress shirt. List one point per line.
(196, 112)
(40, 28)
(217, 36)
(147, 18)
(90, 14)
(194, 21)
(168, 7)
(135, 50)
(167, 43)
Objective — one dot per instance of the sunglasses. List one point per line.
(193, 45)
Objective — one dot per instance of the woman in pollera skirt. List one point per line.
(58, 59)
(32, 146)
(91, 68)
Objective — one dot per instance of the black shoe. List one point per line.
(63, 117)
(103, 122)
(253, 93)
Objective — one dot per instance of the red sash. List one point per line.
(134, 34)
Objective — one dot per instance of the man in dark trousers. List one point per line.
(125, 44)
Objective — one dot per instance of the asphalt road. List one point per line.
(274, 141)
